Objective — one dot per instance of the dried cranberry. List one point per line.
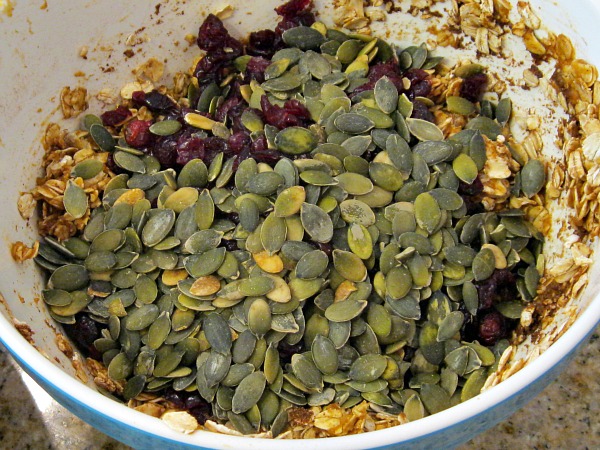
(214, 37)
(260, 144)
(234, 217)
(268, 156)
(304, 18)
(116, 116)
(201, 413)
(501, 286)
(191, 402)
(293, 8)
(213, 146)
(84, 332)
(165, 150)
(471, 194)
(286, 351)
(492, 328)
(176, 398)
(295, 13)
(473, 87)
(264, 43)
(420, 83)
(389, 69)
(293, 113)
(325, 247)
(137, 133)
(421, 111)
(112, 165)
(154, 100)
(475, 188)
(255, 70)
(239, 141)
(189, 146)
(211, 68)
(230, 244)
(224, 110)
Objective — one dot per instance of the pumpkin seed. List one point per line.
(325, 355)
(248, 392)
(465, 168)
(75, 200)
(102, 137)
(345, 310)
(353, 123)
(217, 333)
(295, 140)
(427, 212)
(349, 265)
(316, 222)
(386, 95)
(289, 201)
(533, 177)
(69, 278)
(304, 38)
(484, 264)
(165, 127)
(158, 227)
(306, 371)
(259, 317)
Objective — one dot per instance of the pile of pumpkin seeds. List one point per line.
(379, 319)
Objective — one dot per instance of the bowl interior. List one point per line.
(38, 58)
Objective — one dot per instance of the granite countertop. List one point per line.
(564, 416)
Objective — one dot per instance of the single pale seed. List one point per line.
(207, 285)
(75, 200)
(199, 121)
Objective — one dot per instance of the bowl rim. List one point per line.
(43, 369)
(49, 374)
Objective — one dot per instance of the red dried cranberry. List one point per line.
(264, 43)
(389, 69)
(471, 196)
(112, 165)
(210, 69)
(189, 146)
(234, 217)
(293, 8)
(223, 111)
(286, 351)
(213, 146)
(475, 188)
(304, 18)
(255, 70)
(501, 286)
(116, 116)
(176, 398)
(492, 328)
(201, 413)
(230, 244)
(473, 87)
(421, 111)
(137, 133)
(267, 156)
(84, 332)
(165, 150)
(293, 113)
(295, 13)
(420, 83)
(214, 37)
(239, 141)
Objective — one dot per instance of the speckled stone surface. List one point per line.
(564, 416)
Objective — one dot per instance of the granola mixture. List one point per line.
(572, 182)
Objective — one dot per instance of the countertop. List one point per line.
(564, 416)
